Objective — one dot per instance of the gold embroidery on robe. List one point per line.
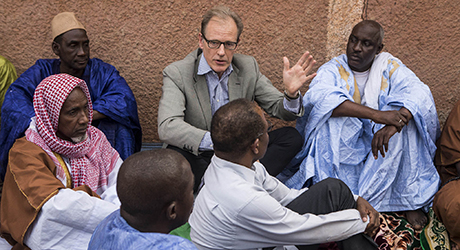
(385, 81)
(357, 95)
(395, 66)
(384, 84)
(345, 75)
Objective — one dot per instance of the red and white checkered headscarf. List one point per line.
(91, 160)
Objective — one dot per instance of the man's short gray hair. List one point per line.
(223, 12)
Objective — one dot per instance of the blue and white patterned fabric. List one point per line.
(115, 233)
(340, 147)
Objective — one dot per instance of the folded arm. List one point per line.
(67, 220)
(394, 121)
(392, 117)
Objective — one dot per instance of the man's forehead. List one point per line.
(75, 35)
(366, 31)
(221, 26)
(75, 96)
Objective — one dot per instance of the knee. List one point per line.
(293, 136)
(338, 193)
(334, 184)
(446, 205)
(337, 186)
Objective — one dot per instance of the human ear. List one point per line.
(201, 41)
(380, 48)
(171, 212)
(56, 46)
(255, 146)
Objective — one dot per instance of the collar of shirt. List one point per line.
(248, 174)
(204, 68)
(218, 88)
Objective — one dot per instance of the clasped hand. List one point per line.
(365, 209)
(392, 117)
(394, 120)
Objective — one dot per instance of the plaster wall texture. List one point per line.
(342, 15)
(424, 35)
(140, 38)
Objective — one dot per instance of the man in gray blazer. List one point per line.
(211, 76)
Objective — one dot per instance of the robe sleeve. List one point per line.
(112, 97)
(67, 221)
(18, 108)
(110, 194)
(29, 183)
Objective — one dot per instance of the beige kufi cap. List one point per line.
(64, 22)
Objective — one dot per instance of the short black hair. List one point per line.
(150, 180)
(235, 126)
(375, 25)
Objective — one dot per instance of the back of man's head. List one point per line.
(235, 126)
(149, 184)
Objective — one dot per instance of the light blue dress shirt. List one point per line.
(115, 233)
(218, 95)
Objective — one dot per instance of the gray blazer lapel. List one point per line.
(235, 88)
(202, 92)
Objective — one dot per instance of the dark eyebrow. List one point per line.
(217, 41)
(76, 41)
(367, 40)
(72, 109)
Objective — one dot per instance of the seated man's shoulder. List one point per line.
(244, 62)
(44, 64)
(23, 152)
(173, 242)
(109, 223)
(108, 232)
(22, 145)
(98, 63)
(230, 193)
(154, 241)
(335, 62)
(185, 65)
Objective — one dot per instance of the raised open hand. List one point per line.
(294, 78)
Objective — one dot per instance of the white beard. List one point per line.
(79, 139)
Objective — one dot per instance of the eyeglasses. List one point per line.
(270, 127)
(215, 44)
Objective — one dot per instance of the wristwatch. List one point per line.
(290, 98)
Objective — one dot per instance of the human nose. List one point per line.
(221, 50)
(357, 46)
(81, 50)
(84, 117)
